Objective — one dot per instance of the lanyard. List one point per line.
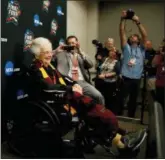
(131, 54)
(74, 60)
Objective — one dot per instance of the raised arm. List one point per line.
(122, 34)
(87, 61)
(141, 28)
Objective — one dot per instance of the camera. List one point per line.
(68, 48)
(129, 14)
(97, 43)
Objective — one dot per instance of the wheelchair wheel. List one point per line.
(33, 130)
(88, 137)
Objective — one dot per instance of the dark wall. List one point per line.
(18, 29)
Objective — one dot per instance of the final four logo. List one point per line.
(13, 12)
(46, 4)
(21, 94)
(28, 37)
(54, 27)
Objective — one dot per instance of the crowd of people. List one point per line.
(123, 71)
(69, 72)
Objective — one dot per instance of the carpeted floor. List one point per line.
(100, 152)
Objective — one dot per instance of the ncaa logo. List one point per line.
(37, 21)
(21, 94)
(9, 68)
(61, 41)
(59, 11)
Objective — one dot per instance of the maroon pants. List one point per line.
(87, 106)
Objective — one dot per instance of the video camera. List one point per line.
(68, 48)
(129, 14)
(100, 49)
(97, 43)
(103, 51)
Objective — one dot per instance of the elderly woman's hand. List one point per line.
(77, 88)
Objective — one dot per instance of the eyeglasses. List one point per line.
(47, 52)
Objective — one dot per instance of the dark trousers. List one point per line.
(130, 88)
(160, 95)
(108, 90)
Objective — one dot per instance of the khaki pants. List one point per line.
(150, 83)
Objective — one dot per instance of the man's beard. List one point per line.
(149, 49)
(134, 43)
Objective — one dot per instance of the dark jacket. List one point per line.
(62, 63)
(158, 62)
(52, 82)
(149, 55)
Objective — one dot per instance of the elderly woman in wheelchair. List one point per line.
(96, 123)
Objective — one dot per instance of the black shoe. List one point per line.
(134, 140)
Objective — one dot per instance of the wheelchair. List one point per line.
(37, 128)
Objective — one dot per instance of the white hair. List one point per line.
(40, 44)
(110, 39)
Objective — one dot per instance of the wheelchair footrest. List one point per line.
(75, 119)
(128, 119)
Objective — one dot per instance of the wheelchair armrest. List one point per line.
(54, 91)
(54, 96)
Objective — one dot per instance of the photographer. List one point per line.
(158, 62)
(71, 61)
(103, 52)
(133, 60)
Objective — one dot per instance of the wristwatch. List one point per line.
(137, 23)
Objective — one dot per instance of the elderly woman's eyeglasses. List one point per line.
(47, 52)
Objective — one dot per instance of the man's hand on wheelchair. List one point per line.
(77, 88)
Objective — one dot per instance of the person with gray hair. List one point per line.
(45, 77)
(109, 43)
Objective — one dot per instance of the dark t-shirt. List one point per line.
(149, 55)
